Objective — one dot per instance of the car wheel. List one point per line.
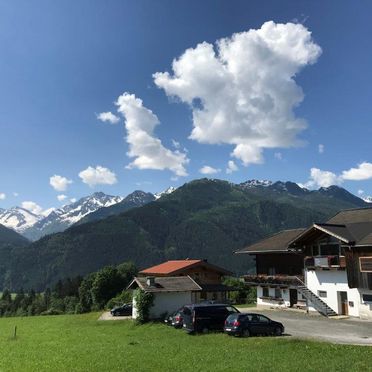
(246, 333)
(278, 331)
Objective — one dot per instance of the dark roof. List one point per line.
(275, 243)
(349, 216)
(367, 240)
(177, 266)
(166, 284)
(352, 226)
(340, 232)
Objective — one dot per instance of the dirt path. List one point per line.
(107, 316)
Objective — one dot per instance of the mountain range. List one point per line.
(202, 219)
(33, 226)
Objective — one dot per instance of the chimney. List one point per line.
(150, 281)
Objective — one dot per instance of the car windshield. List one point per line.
(231, 309)
(232, 317)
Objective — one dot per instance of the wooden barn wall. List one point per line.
(356, 278)
(284, 263)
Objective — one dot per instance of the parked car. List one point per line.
(252, 324)
(206, 317)
(125, 309)
(175, 319)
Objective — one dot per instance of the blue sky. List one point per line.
(64, 63)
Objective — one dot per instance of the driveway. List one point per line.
(107, 316)
(301, 325)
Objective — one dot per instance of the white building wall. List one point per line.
(284, 294)
(165, 302)
(333, 281)
(365, 308)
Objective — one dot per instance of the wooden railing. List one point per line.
(273, 280)
(326, 262)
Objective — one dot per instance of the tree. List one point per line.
(85, 293)
(106, 285)
(7, 296)
(127, 270)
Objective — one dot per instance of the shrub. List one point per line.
(144, 301)
(122, 298)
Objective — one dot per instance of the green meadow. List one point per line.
(81, 343)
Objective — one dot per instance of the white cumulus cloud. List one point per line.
(61, 197)
(2, 196)
(320, 148)
(98, 176)
(362, 172)
(320, 178)
(242, 89)
(147, 150)
(32, 207)
(73, 200)
(360, 192)
(59, 183)
(209, 170)
(108, 117)
(231, 167)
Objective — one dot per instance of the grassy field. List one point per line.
(81, 343)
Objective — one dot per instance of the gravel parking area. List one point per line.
(301, 325)
(107, 316)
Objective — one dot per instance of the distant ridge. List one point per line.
(203, 218)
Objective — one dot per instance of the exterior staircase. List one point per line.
(316, 301)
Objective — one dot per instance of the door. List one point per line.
(343, 303)
(292, 297)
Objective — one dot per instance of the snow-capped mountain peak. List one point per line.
(169, 190)
(255, 183)
(367, 199)
(18, 219)
(72, 213)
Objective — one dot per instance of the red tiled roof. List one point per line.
(169, 267)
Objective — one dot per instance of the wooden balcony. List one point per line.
(281, 281)
(325, 262)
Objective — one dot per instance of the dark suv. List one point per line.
(252, 324)
(206, 317)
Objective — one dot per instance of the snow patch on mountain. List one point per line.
(18, 219)
(169, 190)
(255, 183)
(72, 213)
(367, 199)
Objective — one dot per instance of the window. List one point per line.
(367, 297)
(329, 249)
(365, 264)
(278, 293)
(322, 294)
(231, 309)
(263, 319)
(265, 292)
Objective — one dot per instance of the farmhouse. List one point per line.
(325, 267)
(179, 282)
(209, 277)
(170, 293)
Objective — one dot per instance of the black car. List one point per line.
(206, 317)
(125, 309)
(252, 324)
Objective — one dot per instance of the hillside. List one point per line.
(10, 237)
(202, 219)
(10, 243)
